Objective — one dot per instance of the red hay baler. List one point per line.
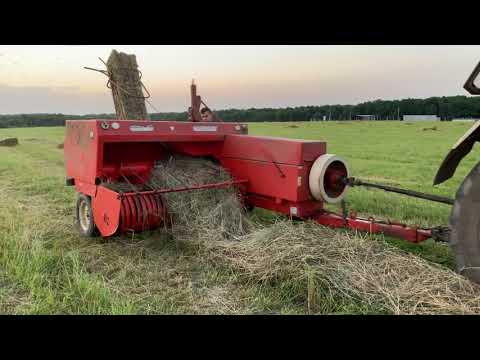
(292, 177)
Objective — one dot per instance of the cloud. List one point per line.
(40, 99)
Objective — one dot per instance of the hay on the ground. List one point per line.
(320, 261)
(355, 269)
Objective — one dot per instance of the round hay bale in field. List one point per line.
(9, 142)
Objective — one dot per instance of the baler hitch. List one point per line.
(395, 229)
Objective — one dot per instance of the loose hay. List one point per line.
(196, 212)
(351, 269)
(200, 211)
(326, 269)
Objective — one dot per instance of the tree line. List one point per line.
(446, 108)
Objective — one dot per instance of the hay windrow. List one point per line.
(316, 262)
(353, 268)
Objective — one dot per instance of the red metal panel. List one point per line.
(81, 150)
(164, 129)
(96, 148)
(279, 150)
(106, 211)
(289, 182)
(301, 210)
(85, 188)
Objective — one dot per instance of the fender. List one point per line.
(465, 144)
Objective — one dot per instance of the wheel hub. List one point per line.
(84, 216)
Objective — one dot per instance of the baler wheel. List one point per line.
(85, 222)
(465, 226)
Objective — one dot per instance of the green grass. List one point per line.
(45, 267)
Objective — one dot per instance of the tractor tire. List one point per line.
(84, 217)
(465, 226)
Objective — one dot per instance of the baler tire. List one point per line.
(465, 226)
(90, 230)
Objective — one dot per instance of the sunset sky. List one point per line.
(51, 79)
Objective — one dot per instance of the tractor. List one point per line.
(465, 215)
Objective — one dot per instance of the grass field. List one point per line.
(45, 267)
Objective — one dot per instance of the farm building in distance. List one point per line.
(364, 117)
(420, 117)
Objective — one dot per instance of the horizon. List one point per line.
(239, 109)
(51, 80)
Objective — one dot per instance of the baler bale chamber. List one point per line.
(272, 173)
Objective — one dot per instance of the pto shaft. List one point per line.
(436, 198)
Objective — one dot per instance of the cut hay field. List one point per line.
(46, 268)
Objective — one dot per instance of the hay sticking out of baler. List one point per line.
(195, 212)
(200, 211)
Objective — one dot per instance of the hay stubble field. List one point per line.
(45, 267)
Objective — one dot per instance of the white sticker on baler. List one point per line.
(141, 128)
(204, 128)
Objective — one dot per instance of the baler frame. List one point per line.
(271, 173)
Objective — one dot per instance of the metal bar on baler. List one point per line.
(198, 187)
(372, 226)
(436, 198)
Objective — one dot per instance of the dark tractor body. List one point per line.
(465, 215)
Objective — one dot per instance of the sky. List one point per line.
(51, 79)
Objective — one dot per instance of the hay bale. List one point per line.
(126, 87)
(9, 142)
(60, 146)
